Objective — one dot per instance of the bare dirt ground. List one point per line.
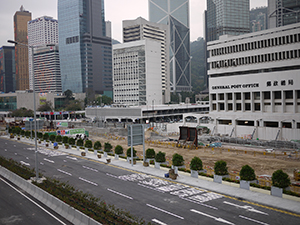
(236, 156)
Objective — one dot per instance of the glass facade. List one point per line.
(227, 17)
(85, 51)
(175, 13)
(7, 69)
(8, 103)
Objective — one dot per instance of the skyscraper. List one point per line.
(7, 69)
(85, 51)
(21, 52)
(176, 15)
(140, 29)
(283, 12)
(227, 17)
(41, 31)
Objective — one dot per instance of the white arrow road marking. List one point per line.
(159, 222)
(90, 182)
(64, 172)
(88, 168)
(256, 221)
(118, 193)
(48, 160)
(5, 150)
(24, 163)
(215, 218)
(172, 214)
(41, 163)
(71, 158)
(208, 206)
(247, 207)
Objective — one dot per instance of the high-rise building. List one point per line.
(136, 76)
(108, 28)
(283, 12)
(227, 17)
(176, 15)
(84, 50)
(41, 31)
(47, 69)
(21, 52)
(140, 29)
(258, 19)
(7, 69)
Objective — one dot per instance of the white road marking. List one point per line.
(24, 163)
(48, 160)
(199, 203)
(27, 158)
(33, 202)
(90, 182)
(15, 146)
(64, 172)
(247, 207)
(73, 158)
(154, 189)
(118, 193)
(16, 153)
(108, 174)
(5, 150)
(212, 217)
(172, 214)
(159, 222)
(256, 221)
(41, 163)
(88, 168)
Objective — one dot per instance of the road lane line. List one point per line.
(64, 172)
(162, 210)
(33, 202)
(24, 163)
(159, 222)
(90, 182)
(48, 160)
(118, 193)
(212, 217)
(246, 207)
(88, 168)
(73, 158)
(253, 220)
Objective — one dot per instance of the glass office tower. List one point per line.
(85, 51)
(7, 69)
(227, 17)
(175, 13)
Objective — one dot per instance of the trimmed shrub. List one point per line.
(18, 130)
(52, 137)
(39, 135)
(97, 145)
(107, 147)
(22, 132)
(79, 142)
(71, 141)
(160, 157)
(221, 168)
(88, 144)
(150, 153)
(118, 150)
(280, 179)
(177, 160)
(46, 136)
(27, 133)
(196, 164)
(128, 153)
(247, 173)
(58, 138)
(65, 139)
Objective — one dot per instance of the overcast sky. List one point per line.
(115, 11)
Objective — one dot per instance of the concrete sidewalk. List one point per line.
(255, 195)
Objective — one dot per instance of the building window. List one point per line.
(221, 96)
(277, 94)
(270, 124)
(288, 94)
(238, 96)
(256, 95)
(214, 97)
(221, 106)
(238, 106)
(257, 106)
(230, 106)
(214, 107)
(267, 95)
(247, 96)
(229, 96)
(247, 106)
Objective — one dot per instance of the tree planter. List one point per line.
(77, 147)
(176, 168)
(116, 156)
(245, 184)
(218, 179)
(105, 154)
(95, 152)
(275, 191)
(157, 165)
(194, 173)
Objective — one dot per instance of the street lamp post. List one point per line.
(34, 107)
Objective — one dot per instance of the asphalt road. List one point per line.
(155, 199)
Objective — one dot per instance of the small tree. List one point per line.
(88, 144)
(97, 145)
(52, 137)
(27, 133)
(58, 138)
(128, 153)
(22, 132)
(65, 139)
(196, 164)
(71, 141)
(39, 135)
(107, 147)
(119, 150)
(247, 173)
(177, 160)
(46, 136)
(18, 130)
(79, 142)
(150, 153)
(280, 179)
(221, 168)
(160, 157)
